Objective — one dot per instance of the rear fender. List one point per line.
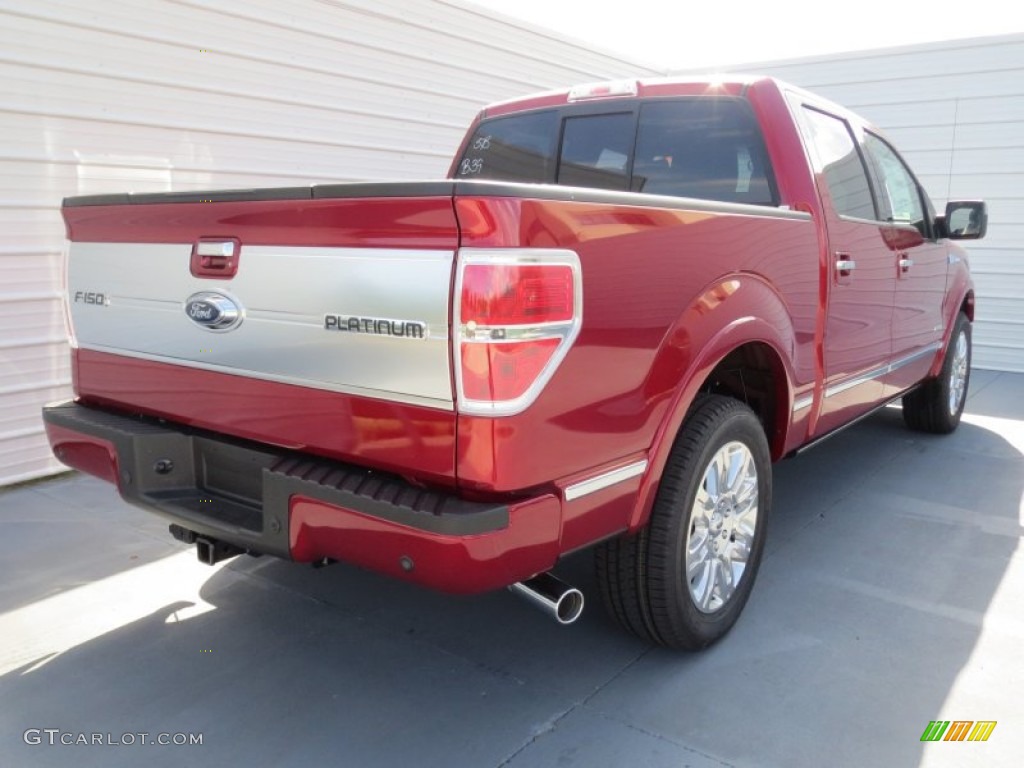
(738, 310)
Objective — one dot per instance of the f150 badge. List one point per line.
(91, 297)
(213, 311)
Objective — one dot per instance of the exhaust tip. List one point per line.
(564, 603)
(569, 607)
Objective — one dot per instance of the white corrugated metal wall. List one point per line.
(157, 95)
(956, 112)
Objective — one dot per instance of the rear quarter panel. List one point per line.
(667, 292)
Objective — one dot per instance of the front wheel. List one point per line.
(683, 580)
(937, 405)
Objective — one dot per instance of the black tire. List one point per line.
(643, 577)
(937, 405)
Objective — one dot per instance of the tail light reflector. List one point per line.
(517, 314)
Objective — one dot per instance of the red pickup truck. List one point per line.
(626, 301)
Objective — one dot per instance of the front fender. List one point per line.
(960, 291)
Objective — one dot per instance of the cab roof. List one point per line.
(727, 85)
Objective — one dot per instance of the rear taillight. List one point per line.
(517, 314)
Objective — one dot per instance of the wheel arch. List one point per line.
(967, 305)
(744, 359)
(960, 298)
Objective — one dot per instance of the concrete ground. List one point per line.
(890, 596)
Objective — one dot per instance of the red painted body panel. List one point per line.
(598, 515)
(959, 296)
(404, 439)
(643, 336)
(83, 452)
(920, 288)
(960, 287)
(457, 564)
(350, 222)
(858, 328)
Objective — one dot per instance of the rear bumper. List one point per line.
(294, 506)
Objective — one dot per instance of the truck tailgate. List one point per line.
(317, 323)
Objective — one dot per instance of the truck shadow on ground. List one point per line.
(882, 560)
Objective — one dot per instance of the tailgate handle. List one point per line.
(215, 257)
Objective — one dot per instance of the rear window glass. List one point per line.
(516, 148)
(595, 151)
(705, 147)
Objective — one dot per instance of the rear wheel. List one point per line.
(683, 580)
(937, 405)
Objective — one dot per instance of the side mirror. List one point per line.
(964, 220)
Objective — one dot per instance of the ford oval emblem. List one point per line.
(213, 311)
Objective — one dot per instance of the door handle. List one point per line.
(844, 264)
(906, 264)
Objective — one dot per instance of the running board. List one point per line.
(822, 438)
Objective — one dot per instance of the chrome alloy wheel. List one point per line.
(958, 373)
(722, 526)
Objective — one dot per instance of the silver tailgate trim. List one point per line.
(286, 293)
(396, 397)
